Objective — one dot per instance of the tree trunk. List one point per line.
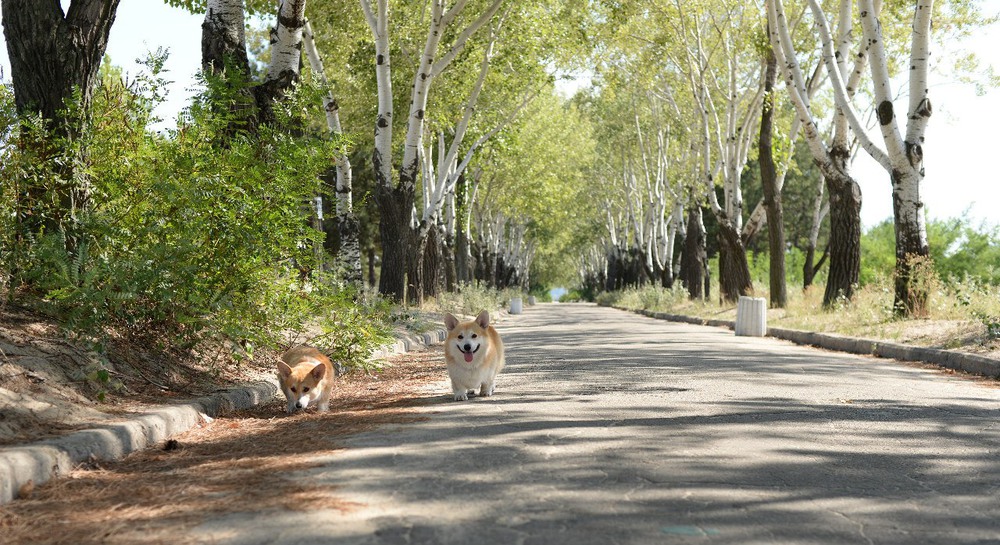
(395, 208)
(809, 270)
(772, 194)
(286, 54)
(693, 265)
(395, 205)
(348, 226)
(223, 42)
(432, 265)
(845, 230)
(903, 155)
(448, 258)
(734, 271)
(415, 267)
(224, 55)
(464, 265)
(52, 56)
(371, 267)
(911, 293)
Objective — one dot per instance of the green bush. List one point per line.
(202, 233)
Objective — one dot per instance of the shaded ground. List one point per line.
(50, 385)
(610, 427)
(674, 393)
(233, 464)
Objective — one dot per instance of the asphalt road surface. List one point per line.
(609, 427)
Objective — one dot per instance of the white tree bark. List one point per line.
(902, 158)
(378, 22)
(286, 42)
(350, 248)
(427, 70)
(843, 100)
(224, 24)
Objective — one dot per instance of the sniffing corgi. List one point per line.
(306, 377)
(474, 354)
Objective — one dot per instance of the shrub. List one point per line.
(200, 234)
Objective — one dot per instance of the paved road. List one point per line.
(609, 427)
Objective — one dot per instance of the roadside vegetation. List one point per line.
(964, 313)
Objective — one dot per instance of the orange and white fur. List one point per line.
(474, 354)
(306, 377)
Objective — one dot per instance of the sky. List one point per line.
(960, 179)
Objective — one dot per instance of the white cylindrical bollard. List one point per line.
(751, 316)
(531, 300)
(515, 305)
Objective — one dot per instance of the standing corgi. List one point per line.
(306, 377)
(474, 354)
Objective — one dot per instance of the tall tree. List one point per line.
(396, 200)
(772, 195)
(905, 158)
(833, 160)
(348, 228)
(55, 55)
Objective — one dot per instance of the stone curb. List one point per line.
(409, 343)
(958, 361)
(40, 461)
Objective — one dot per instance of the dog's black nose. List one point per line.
(467, 347)
(298, 405)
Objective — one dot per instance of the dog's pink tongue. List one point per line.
(468, 357)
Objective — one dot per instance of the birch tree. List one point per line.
(224, 54)
(772, 195)
(286, 58)
(904, 154)
(396, 200)
(348, 228)
(833, 160)
(727, 130)
(223, 39)
(901, 154)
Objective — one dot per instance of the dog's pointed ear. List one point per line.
(450, 321)
(319, 371)
(483, 319)
(284, 370)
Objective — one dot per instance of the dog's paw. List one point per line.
(462, 397)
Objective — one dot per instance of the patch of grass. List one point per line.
(959, 313)
(471, 299)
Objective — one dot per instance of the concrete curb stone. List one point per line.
(958, 361)
(42, 460)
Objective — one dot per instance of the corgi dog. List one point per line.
(474, 355)
(306, 377)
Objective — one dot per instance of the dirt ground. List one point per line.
(234, 463)
(50, 385)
